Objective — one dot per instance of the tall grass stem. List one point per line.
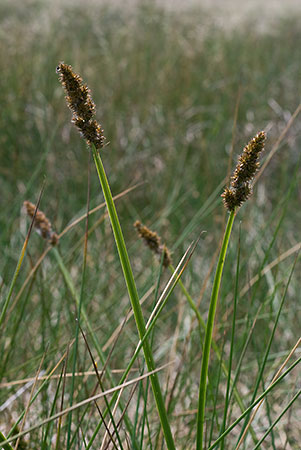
(209, 331)
(6, 446)
(133, 294)
(227, 396)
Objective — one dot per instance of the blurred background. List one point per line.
(167, 80)
(180, 88)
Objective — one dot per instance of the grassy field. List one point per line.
(178, 95)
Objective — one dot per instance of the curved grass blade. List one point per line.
(133, 294)
(257, 446)
(261, 397)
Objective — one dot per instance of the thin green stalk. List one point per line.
(47, 436)
(269, 416)
(133, 294)
(5, 446)
(81, 298)
(262, 396)
(21, 257)
(217, 351)
(153, 308)
(7, 300)
(14, 332)
(137, 412)
(232, 342)
(209, 331)
(105, 399)
(150, 326)
(214, 394)
(145, 419)
(265, 358)
(277, 420)
(75, 349)
(243, 351)
(190, 300)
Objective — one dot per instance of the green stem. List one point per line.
(21, 257)
(5, 446)
(277, 420)
(75, 348)
(7, 300)
(209, 331)
(227, 396)
(133, 294)
(217, 351)
(262, 396)
(190, 300)
(133, 359)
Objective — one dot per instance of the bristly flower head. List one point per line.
(80, 102)
(247, 165)
(41, 223)
(153, 241)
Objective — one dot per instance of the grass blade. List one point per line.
(133, 294)
(276, 421)
(261, 397)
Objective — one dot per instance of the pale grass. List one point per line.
(276, 376)
(83, 403)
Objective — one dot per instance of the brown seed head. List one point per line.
(229, 199)
(78, 94)
(151, 238)
(91, 131)
(247, 165)
(248, 161)
(153, 241)
(167, 255)
(80, 102)
(41, 223)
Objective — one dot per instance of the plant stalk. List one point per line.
(133, 294)
(209, 331)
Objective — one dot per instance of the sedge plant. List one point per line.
(82, 106)
(153, 242)
(233, 196)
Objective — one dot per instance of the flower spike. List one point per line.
(153, 241)
(80, 102)
(247, 165)
(41, 223)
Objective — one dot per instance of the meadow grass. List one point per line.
(178, 98)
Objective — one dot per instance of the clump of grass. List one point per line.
(163, 128)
